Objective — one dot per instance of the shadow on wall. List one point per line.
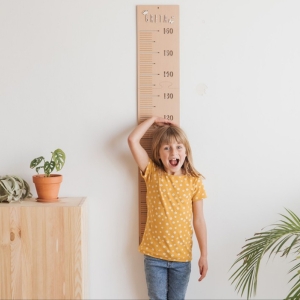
(118, 151)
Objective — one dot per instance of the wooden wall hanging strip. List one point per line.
(157, 75)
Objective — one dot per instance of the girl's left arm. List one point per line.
(201, 234)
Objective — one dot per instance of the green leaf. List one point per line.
(36, 162)
(49, 167)
(59, 159)
(37, 169)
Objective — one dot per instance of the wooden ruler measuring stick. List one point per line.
(158, 75)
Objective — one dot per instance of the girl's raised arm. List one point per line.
(139, 153)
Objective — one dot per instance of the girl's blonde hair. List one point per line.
(167, 134)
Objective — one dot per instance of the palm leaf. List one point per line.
(282, 238)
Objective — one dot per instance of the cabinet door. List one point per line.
(5, 274)
(42, 251)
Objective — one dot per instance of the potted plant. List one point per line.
(47, 185)
(13, 188)
(283, 238)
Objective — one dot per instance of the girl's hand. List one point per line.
(139, 153)
(203, 267)
(161, 122)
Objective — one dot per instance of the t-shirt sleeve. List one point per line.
(199, 191)
(148, 171)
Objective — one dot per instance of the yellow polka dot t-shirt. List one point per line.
(168, 232)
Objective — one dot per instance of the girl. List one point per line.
(174, 198)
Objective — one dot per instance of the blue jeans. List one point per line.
(166, 279)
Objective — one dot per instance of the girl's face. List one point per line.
(172, 156)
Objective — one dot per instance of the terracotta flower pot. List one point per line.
(47, 188)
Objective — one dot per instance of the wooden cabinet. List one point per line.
(43, 249)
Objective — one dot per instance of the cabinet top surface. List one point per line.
(63, 201)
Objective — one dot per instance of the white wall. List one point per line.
(68, 80)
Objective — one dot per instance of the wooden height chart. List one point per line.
(158, 75)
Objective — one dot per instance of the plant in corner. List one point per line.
(282, 238)
(47, 184)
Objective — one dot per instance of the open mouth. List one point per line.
(174, 162)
